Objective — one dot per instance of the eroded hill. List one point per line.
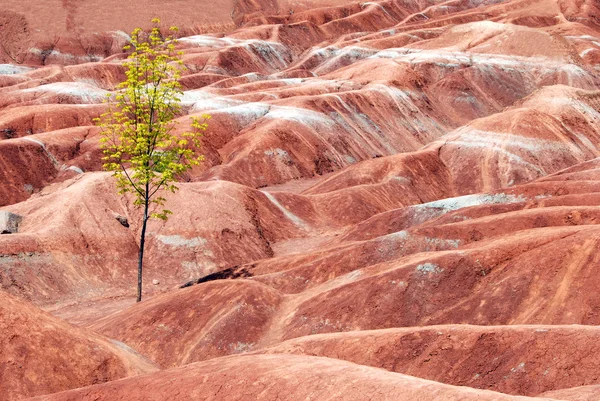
(394, 192)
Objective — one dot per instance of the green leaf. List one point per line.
(139, 141)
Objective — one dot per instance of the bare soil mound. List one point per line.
(42, 354)
(584, 393)
(268, 377)
(194, 324)
(59, 252)
(524, 360)
(376, 173)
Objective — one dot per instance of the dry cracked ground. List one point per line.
(400, 201)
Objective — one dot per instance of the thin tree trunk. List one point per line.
(141, 253)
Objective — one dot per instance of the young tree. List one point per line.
(138, 141)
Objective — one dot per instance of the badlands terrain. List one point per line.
(399, 202)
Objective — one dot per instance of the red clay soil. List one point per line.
(85, 30)
(42, 354)
(270, 377)
(71, 31)
(59, 253)
(376, 174)
(219, 318)
(509, 359)
(584, 393)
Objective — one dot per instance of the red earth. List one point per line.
(399, 200)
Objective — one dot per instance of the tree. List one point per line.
(138, 139)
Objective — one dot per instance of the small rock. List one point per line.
(155, 282)
(9, 222)
(122, 220)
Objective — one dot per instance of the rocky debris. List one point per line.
(122, 220)
(9, 222)
(229, 273)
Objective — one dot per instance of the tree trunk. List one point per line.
(141, 253)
